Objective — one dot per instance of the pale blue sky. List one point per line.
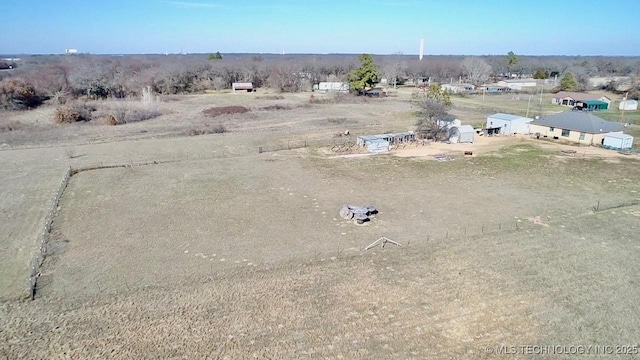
(458, 27)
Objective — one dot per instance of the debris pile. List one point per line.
(359, 214)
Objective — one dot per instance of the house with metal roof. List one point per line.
(575, 126)
(567, 98)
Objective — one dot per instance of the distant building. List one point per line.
(628, 105)
(575, 126)
(245, 86)
(567, 98)
(459, 88)
(70, 51)
(507, 124)
(495, 89)
(518, 84)
(332, 86)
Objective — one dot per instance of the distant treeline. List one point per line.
(36, 78)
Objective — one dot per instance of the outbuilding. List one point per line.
(332, 86)
(377, 145)
(617, 141)
(507, 124)
(628, 105)
(592, 105)
(461, 134)
(246, 86)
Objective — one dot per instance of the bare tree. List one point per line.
(218, 83)
(476, 70)
(433, 120)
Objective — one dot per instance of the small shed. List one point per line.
(507, 124)
(628, 105)
(246, 86)
(461, 134)
(617, 141)
(377, 145)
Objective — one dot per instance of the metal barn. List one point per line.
(461, 134)
(507, 124)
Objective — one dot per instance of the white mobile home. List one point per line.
(332, 86)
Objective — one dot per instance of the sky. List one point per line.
(448, 27)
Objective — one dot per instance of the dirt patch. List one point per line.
(225, 110)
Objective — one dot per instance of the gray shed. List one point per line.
(461, 134)
(377, 145)
(507, 124)
(617, 141)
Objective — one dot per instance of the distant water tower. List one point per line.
(421, 49)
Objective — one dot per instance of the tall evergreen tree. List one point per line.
(366, 75)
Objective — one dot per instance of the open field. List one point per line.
(205, 215)
(216, 250)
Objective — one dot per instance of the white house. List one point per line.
(568, 98)
(628, 105)
(507, 124)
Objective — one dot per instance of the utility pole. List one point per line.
(528, 105)
(541, 92)
(624, 104)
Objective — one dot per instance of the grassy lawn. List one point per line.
(614, 114)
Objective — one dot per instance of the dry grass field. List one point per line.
(217, 251)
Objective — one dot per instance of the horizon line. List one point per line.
(305, 53)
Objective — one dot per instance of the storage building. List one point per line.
(617, 141)
(507, 124)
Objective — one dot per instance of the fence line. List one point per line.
(40, 254)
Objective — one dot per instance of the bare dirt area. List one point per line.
(213, 249)
(484, 145)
